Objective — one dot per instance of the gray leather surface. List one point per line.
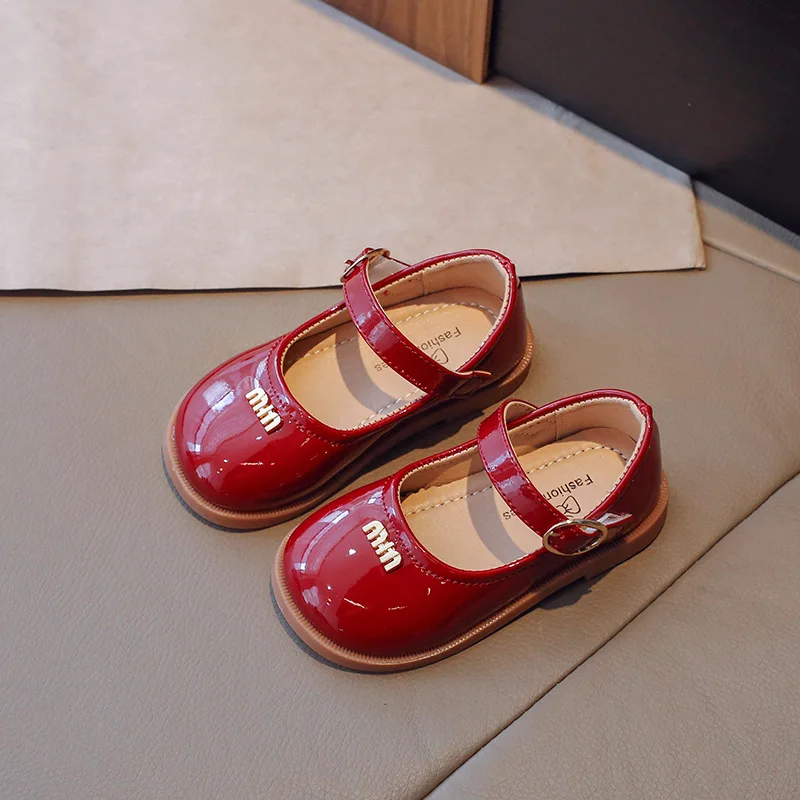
(733, 228)
(141, 653)
(698, 698)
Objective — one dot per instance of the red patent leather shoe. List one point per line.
(418, 566)
(277, 429)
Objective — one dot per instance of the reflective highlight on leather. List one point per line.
(227, 454)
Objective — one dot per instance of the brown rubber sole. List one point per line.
(255, 520)
(594, 563)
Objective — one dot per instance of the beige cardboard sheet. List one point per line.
(179, 144)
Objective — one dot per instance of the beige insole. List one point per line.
(341, 382)
(467, 524)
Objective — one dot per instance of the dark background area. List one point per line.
(710, 86)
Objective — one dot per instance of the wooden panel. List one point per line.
(453, 32)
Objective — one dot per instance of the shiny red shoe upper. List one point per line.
(276, 422)
(411, 562)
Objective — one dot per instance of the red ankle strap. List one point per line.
(560, 534)
(387, 342)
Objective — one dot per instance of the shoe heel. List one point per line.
(632, 543)
(495, 392)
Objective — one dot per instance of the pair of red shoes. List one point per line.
(425, 562)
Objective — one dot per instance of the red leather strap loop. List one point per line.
(513, 484)
(388, 343)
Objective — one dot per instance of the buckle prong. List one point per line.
(602, 535)
(371, 254)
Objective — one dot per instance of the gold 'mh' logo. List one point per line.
(265, 411)
(377, 536)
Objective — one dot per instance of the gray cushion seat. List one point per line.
(141, 653)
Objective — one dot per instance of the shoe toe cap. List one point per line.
(235, 449)
(361, 591)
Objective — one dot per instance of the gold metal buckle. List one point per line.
(602, 535)
(369, 256)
